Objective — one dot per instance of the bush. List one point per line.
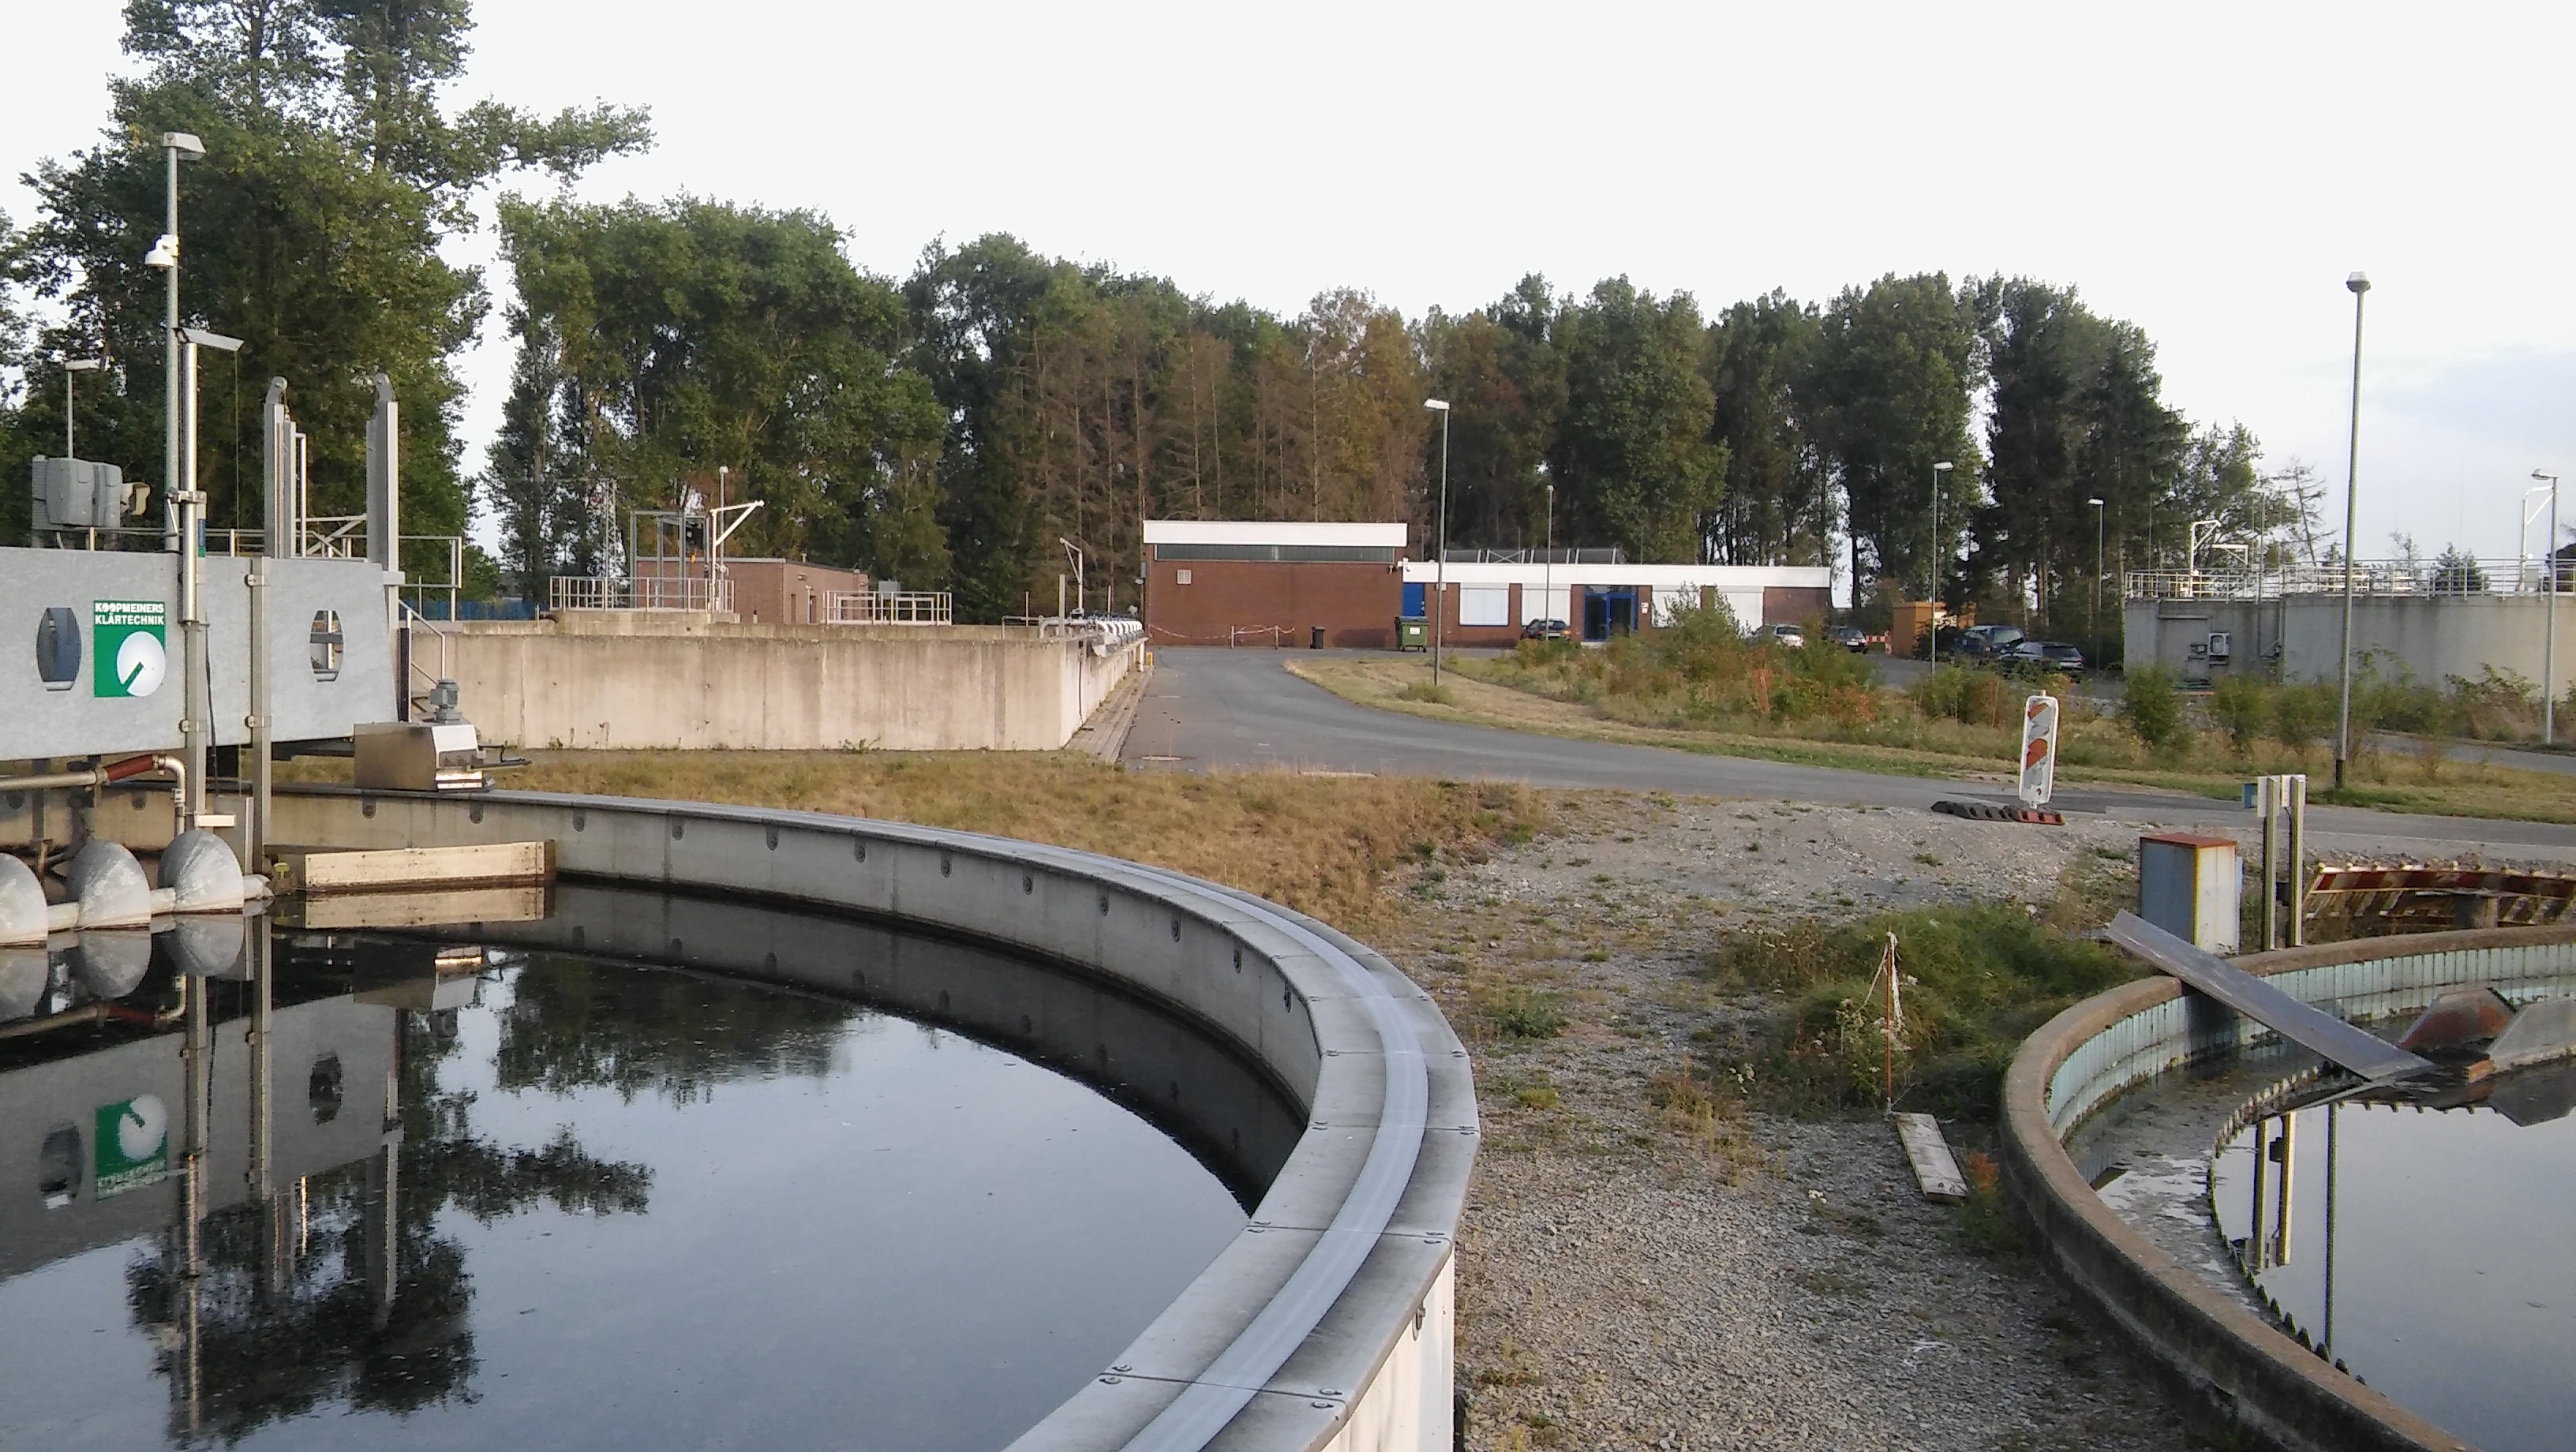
(2152, 710)
(1966, 695)
(2242, 707)
(1523, 1014)
(1978, 980)
(2301, 714)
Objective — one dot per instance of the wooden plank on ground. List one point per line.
(1934, 1168)
(325, 870)
(2303, 1024)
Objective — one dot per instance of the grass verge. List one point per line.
(1322, 845)
(2415, 783)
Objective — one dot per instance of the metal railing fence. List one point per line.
(2459, 576)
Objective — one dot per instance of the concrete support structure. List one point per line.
(2430, 637)
(1326, 1326)
(618, 679)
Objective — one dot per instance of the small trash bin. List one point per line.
(1315, 638)
(1411, 632)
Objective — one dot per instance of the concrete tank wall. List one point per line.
(632, 679)
(2429, 636)
(1326, 1325)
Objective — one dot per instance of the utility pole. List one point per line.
(2549, 629)
(1440, 569)
(2359, 285)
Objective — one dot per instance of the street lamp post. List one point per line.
(1932, 626)
(1547, 566)
(2522, 541)
(2359, 285)
(2549, 629)
(2096, 662)
(70, 367)
(1440, 567)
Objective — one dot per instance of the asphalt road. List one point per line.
(1210, 709)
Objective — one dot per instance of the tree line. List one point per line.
(950, 427)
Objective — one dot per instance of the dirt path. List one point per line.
(1642, 1270)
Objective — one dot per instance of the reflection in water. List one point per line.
(2423, 1248)
(468, 1192)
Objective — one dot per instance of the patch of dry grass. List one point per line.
(1320, 844)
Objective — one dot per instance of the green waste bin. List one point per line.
(1412, 632)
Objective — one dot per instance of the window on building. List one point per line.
(1484, 605)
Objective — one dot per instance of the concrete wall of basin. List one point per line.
(1327, 1325)
(2229, 1362)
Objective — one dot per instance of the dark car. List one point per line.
(1851, 638)
(2038, 657)
(1971, 650)
(1545, 630)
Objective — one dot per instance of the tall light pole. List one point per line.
(1932, 626)
(1547, 565)
(179, 483)
(1440, 569)
(2522, 541)
(2351, 489)
(2096, 662)
(2549, 630)
(176, 146)
(70, 367)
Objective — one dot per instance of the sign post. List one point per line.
(2038, 750)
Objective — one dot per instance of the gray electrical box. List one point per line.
(78, 494)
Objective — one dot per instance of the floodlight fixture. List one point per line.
(1436, 405)
(184, 144)
(2358, 282)
(216, 341)
(165, 252)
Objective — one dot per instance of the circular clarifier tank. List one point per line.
(2409, 1234)
(490, 1192)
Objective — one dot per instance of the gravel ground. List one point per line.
(1634, 1276)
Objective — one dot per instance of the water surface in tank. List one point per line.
(2424, 1248)
(509, 1197)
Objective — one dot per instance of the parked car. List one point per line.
(2036, 657)
(1998, 638)
(1973, 650)
(1851, 638)
(1545, 630)
(1793, 636)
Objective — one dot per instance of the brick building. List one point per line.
(1216, 582)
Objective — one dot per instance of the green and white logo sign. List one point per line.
(129, 646)
(133, 1146)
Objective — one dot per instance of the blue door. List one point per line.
(1415, 595)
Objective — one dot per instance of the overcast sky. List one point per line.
(2210, 172)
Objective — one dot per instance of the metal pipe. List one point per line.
(96, 776)
(255, 828)
(196, 730)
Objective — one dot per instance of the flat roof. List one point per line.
(1273, 532)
